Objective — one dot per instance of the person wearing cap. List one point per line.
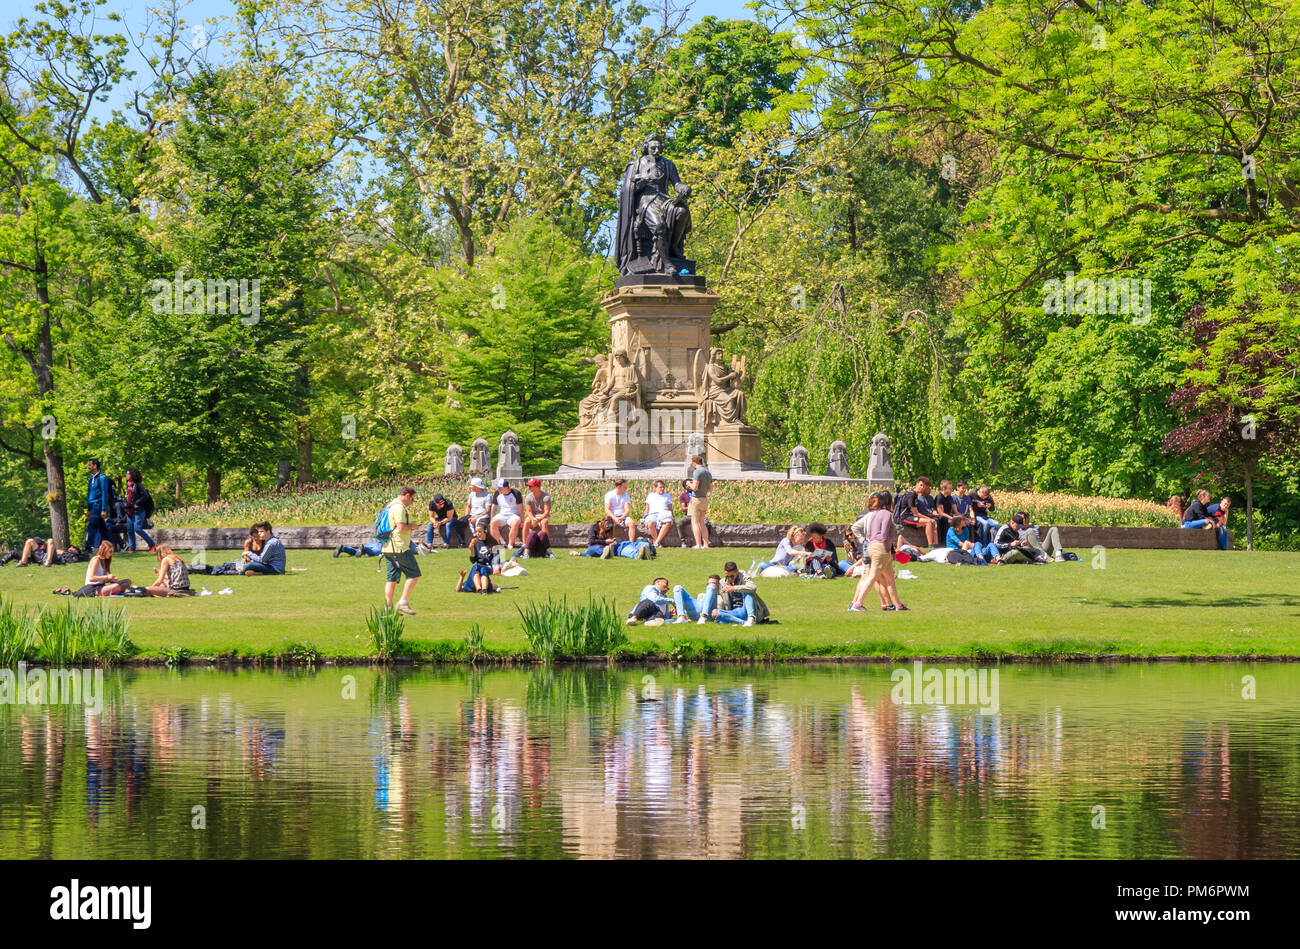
(508, 513)
(442, 521)
(537, 520)
(476, 508)
(619, 507)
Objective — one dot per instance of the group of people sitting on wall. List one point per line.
(958, 527)
(1202, 515)
(616, 533)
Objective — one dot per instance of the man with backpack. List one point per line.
(393, 528)
(99, 502)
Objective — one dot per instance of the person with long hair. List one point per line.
(877, 529)
(99, 572)
(138, 503)
(173, 578)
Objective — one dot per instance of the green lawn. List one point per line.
(1144, 603)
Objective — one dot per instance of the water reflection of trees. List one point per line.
(588, 762)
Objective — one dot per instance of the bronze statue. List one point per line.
(653, 219)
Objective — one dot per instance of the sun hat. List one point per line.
(476, 482)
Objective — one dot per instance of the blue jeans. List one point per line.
(987, 527)
(693, 607)
(1220, 532)
(254, 567)
(96, 530)
(630, 548)
(983, 553)
(135, 525)
(595, 550)
(845, 566)
(740, 613)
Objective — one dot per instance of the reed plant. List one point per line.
(554, 628)
(385, 627)
(17, 635)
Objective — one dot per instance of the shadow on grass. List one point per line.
(1202, 602)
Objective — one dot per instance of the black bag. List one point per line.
(89, 589)
(960, 557)
(145, 503)
(900, 509)
(135, 591)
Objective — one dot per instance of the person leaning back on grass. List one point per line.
(398, 559)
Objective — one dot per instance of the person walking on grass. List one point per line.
(398, 559)
(876, 532)
(139, 508)
(701, 486)
(98, 499)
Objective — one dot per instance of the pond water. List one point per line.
(1086, 761)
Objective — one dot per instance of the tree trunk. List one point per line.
(178, 488)
(305, 475)
(54, 487)
(1250, 507)
(214, 485)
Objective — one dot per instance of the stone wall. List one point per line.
(1079, 539)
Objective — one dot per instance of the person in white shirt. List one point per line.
(619, 506)
(507, 512)
(476, 506)
(658, 513)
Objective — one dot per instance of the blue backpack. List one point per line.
(383, 529)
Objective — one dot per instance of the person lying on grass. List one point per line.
(654, 606)
(173, 578)
(698, 608)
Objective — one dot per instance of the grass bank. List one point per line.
(734, 502)
(1143, 604)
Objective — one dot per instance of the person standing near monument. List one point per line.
(398, 558)
(701, 487)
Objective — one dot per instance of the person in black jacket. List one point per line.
(1202, 515)
(138, 507)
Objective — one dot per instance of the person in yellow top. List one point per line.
(398, 557)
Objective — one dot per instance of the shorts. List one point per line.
(879, 558)
(399, 564)
(658, 519)
(508, 520)
(698, 506)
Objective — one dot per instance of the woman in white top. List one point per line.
(99, 572)
(789, 553)
(658, 513)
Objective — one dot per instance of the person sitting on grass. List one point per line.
(173, 578)
(958, 538)
(790, 554)
(480, 559)
(981, 506)
(879, 536)
(654, 606)
(1202, 515)
(537, 520)
(822, 558)
(599, 537)
(918, 511)
(99, 573)
(270, 558)
(1048, 540)
(252, 543)
(618, 505)
(851, 564)
(658, 518)
(738, 599)
(699, 608)
(1011, 549)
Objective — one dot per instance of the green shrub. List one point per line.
(96, 634)
(589, 629)
(474, 642)
(385, 627)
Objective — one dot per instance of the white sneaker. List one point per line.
(749, 621)
(702, 620)
(632, 621)
(655, 621)
(682, 619)
(1059, 558)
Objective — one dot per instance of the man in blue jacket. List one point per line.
(97, 500)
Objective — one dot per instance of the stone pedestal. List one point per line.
(664, 329)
